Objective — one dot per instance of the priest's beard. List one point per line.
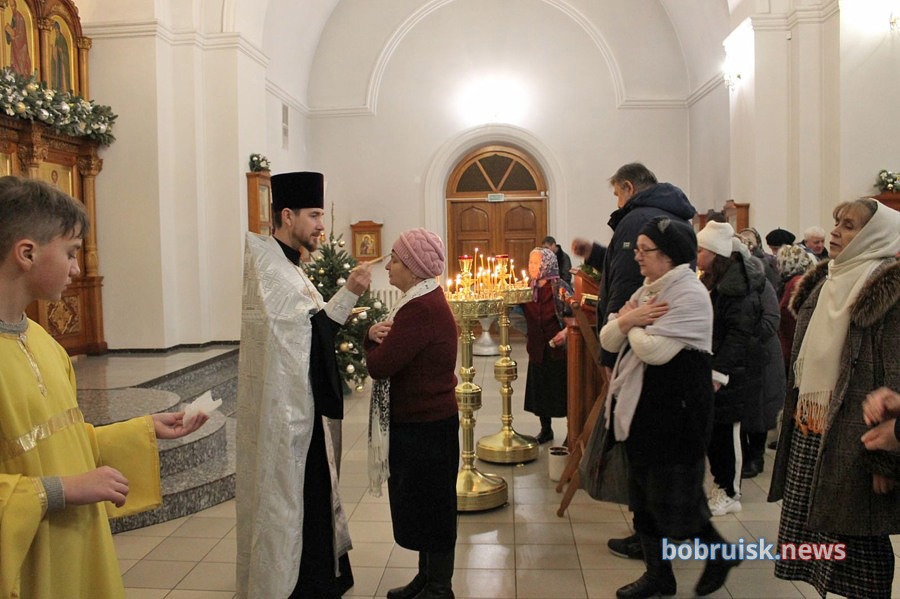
(311, 244)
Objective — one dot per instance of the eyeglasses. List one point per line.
(643, 252)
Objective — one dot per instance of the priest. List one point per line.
(292, 534)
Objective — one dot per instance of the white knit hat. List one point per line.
(716, 237)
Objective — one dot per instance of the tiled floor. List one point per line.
(521, 550)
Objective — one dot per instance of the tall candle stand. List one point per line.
(508, 446)
(475, 490)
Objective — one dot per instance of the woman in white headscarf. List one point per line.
(848, 331)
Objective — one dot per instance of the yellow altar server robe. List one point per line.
(66, 554)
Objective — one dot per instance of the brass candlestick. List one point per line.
(508, 446)
(475, 491)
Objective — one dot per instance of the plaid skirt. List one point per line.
(866, 572)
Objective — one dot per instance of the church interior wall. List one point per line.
(373, 95)
(375, 164)
(869, 92)
(709, 141)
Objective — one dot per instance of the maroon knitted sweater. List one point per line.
(419, 356)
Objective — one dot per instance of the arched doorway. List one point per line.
(496, 202)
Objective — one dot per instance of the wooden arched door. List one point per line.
(496, 202)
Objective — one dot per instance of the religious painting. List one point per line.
(62, 55)
(57, 175)
(366, 240)
(5, 165)
(265, 205)
(19, 47)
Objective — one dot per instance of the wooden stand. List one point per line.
(586, 384)
(891, 200)
(259, 203)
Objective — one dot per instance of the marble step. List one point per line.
(105, 406)
(178, 455)
(193, 380)
(203, 486)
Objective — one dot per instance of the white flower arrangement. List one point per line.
(27, 98)
(259, 163)
(887, 182)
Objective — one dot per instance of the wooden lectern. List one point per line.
(586, 382)
(584, 378)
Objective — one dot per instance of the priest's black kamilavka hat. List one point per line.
(298, 190)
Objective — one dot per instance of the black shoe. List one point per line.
(409, 591)
(657, 580)
(629, 547)
(545, 436)
(415, 586)
(752, 468)
(714, 575)
(646, 586)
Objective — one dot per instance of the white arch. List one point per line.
(384, 58)
(453, 150)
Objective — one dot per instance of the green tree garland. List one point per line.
(329, 270)
(24, 97)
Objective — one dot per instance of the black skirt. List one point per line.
(668, 499)
(424, 460)
(546, 387)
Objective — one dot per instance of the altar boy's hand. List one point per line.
(170, 425)
(101, 484)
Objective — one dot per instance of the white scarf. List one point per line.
(818, 362)
(688, 321)
(380, 404)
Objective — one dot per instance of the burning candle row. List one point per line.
(483, 281)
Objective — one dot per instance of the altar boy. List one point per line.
(60, 478)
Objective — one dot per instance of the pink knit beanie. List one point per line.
(421, 251)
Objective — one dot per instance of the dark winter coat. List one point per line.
(565, 264)
(841, 499)
(673, 420)
(621, 275)
(737, 332)
(762, 415)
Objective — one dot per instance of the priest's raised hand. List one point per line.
(359, 278)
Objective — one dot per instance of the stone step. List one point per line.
(190, 490)
(191, 381)
(105, 406)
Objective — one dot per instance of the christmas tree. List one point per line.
(329, 269)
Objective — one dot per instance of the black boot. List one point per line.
(657, 580)
(629, 547)
(752, 468)
(439, 571)
(413, 588)
(546, 433)
(716, 571)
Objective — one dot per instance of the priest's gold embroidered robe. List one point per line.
(68, 553)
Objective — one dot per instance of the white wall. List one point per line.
(869, 92)
(376, 165)
(171, 199)
(710, 138)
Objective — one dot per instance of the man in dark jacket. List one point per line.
(641, 198)
(562, 258)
